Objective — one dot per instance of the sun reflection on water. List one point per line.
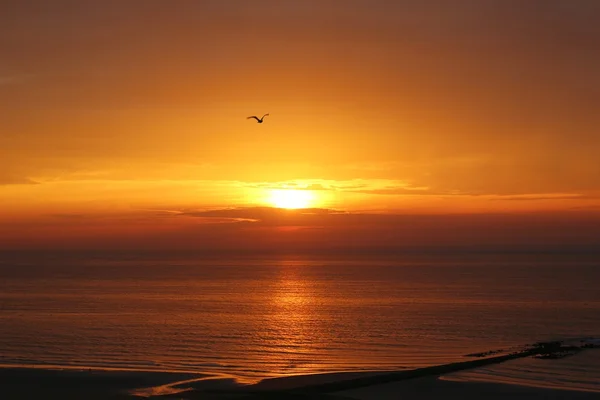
(292, 326)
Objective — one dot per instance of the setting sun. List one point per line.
(290, 198)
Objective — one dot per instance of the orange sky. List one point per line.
(123, 123)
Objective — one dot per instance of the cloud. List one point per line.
(73, 216)
(295, 185)
(262, 215)
(586, 208)
(368, 186)
(14, 180)
(403, 190)
(543, 196)
(273, 229)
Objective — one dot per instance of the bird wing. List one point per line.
(264, 116)
(254, 116)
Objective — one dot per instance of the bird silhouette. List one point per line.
(259, 120)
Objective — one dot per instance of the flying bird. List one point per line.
(259, 120)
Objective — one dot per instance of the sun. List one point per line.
(290, 198)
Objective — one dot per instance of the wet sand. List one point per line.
(421, 383)
(434, 388)
(41, 383)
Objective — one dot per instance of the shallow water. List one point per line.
(257, 317)
(579, 372)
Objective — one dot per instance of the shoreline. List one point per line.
(540, 349)
(15, 381)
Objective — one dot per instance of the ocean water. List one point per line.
(253, 317)
(580, 372)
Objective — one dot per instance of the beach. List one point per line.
(533, 377)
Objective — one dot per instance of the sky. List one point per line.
(393, 123)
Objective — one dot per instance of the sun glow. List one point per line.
(291, 198)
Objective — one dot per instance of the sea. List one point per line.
(252, 317)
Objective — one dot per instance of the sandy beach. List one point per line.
(507, 376)
(29, 384)
(60, 383)
(435, 388)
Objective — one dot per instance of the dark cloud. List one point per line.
(586, 208)
(271, 229)
(70, 216)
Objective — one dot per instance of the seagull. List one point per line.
(259, 120)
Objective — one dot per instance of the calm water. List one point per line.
(268, 316)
